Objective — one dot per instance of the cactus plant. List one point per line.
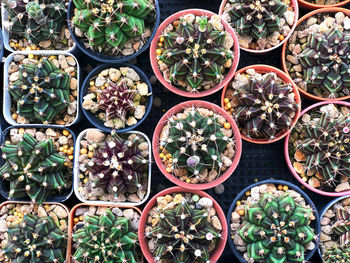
(33, 168)
(35, 240)
(276, 229)
(106, 238)
(325, 61)
(41, 91)
(337, 253)
(36, 20)
(342, 226)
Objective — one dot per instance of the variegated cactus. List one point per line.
(342, 226)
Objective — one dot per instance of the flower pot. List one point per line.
(325, 10)
(143, 221)
(294, 4)
(70, 251)
(85, 88)
(311, 6)
(179, 108)
(4, 186)
(288, 158)
(285, 79)
(98, 202)
(7, 98)
(105, 58)
(315, 224)
(170, 86)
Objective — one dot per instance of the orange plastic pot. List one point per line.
(311, 6)
(286, 79)
(284, 51)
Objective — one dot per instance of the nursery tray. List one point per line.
(258, 162)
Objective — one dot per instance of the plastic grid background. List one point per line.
(258, 162)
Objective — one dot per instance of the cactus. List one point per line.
(36, 20)
(326, 147)
(41, 92)
(276, 229)
(33, 168)
(109, 24)
(35, 240)
(106, 238)
(118, 165)
(256, 18)
(337, 253)
(325, 61)
(195, 53)
(342, 226)
(265, 107)
(184, 234)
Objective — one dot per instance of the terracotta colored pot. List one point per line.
(264, 51)
(286, 79)
(284, 51)
(289, 163)
(71, 224)
(179, 108)
(159, 74)
(310, 6)
(220, 246)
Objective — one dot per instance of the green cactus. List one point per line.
(35, 240)
(33, 168)
(276, 229)
(256, 18)
(109, 24)
(325, 61)
(41, 92)
(342, 226)
(337, 253)
(106, 238)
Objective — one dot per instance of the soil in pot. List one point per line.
(319, 146)
(318, 55)
(113, 167)
(43, 176)
(24, 225)
(43, 89)
(324, 2)
(37, 25)
(118, 97)
(253, 22)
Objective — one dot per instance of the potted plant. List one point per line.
(109, 227)
(194, 53)
(271, 221)
(316, 4)
(113, 31)
(264, 102)
(182, 225)
(320, 74)
(34, 233)
(112, 168)
(41, 88)
(263, 25)
(197, 145)
(37, 163)
(116, 97)
(36, 25)
(317, 148)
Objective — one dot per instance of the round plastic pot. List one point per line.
(159, 74)
(4, 184)
(289, 163)
(241, 195)
(71, 224)
(105, 58)
(220, 246)
(85, 89)
(294, 3)
(284, 52)
(311, 6)
(286, 79)
(179, 108)
(76, 173)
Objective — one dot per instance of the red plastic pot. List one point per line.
(159, 74)
(284, 51)
(220, 246)
(286, 79)
(311, 6)
(179, 108)
(289, 163)
(295, 6)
